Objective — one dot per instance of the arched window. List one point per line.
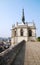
(21, 32)
(29, 33)
(15, 32)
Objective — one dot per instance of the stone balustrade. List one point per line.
(9, 55)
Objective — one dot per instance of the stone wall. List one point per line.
(9, 55)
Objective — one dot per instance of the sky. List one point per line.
(11, 12)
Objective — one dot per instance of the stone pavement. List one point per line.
(32, 53)
(29, 54)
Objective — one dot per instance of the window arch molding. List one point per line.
(15, 32)
(29, 32)
(21, 32)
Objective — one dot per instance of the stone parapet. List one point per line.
(7, 56)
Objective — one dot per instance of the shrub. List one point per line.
(38, 39)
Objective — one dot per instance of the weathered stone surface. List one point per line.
(28, 54)
(32, 53)
(19, 59)
(9, 55)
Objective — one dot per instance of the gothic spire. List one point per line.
(23, 17)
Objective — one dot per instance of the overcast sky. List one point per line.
(11, 12)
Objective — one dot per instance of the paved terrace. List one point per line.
(32, 53)
(28, 55)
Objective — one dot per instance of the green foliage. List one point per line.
(38, 39)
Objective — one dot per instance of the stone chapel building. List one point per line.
(24, 31)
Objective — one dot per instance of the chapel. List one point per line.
(23, 31)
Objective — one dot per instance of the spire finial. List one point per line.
(23, 17)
